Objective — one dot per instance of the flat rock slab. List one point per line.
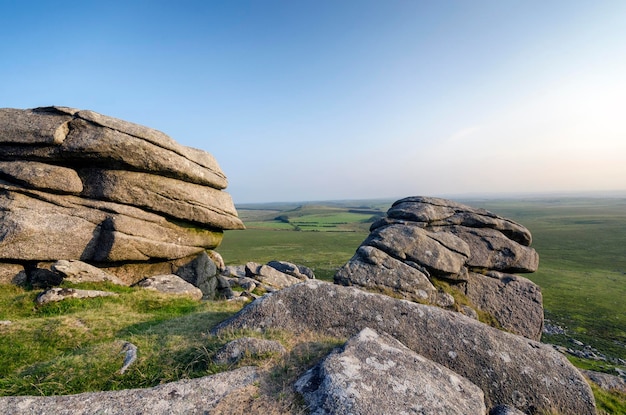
(65, 134)
(172, 197)
(375, 374)
(78, 271)
(59, 294)
(171, 284)
(443, 212)
(189, 396)
(509, 369)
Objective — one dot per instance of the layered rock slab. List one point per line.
(375, 374)
(509, 369)
(81, 185)
(189, 396)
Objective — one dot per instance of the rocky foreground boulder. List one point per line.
(78, 185)
(423, 241)
(190, 396)
(509, 369)
(375, 374)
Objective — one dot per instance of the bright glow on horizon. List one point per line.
(351, 100)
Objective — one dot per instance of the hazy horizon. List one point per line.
(322, 100)
(590, 195)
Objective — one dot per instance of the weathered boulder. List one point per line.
(232, 352)
(374, 269)
(195, 269)
(424, 239)
(488, 249)
(59, 294)
(170, 284)
(65, 135)
(509, 369)
(77, 185)
(439, 252)
(299, 271)
(269, 275)
(375, 374)
(606, 381)
(188, 396)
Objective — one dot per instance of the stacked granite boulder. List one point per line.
(424, 241)
(78, 185)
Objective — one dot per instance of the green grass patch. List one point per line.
(324, 252)
(75, 345)
(609, 402)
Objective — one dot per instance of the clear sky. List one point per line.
(345, 99)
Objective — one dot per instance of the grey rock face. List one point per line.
(234, 351)
(42, 176)
(39, 226)
(185, 397)
(422, 239)
(170, 284)
(374, 374)
(171, 197)
(509, 369)
(514, 301)
(201, 272)
(77, 185)
(439, 252)
(372, 268)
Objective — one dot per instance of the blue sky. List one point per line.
(320, 100)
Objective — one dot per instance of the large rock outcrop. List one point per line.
(423, 240)
(78, 185)
(509, 369)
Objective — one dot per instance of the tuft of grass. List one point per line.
(609, 402)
